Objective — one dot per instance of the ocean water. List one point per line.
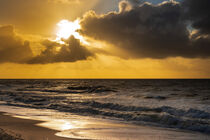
(179, 104)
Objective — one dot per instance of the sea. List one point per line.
(177, 104)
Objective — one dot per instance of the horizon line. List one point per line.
(104, 78)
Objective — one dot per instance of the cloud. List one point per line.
(197, 11)
(141, 31)
(12, 47)
(16, 50)
(124, 6)
(150, 31)
(71, 52)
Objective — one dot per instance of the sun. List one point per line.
(67, 29)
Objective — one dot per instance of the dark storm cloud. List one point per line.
(198, 12)
(154, 31)
(71, 52)
(12, 47)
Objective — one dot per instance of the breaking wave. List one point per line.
(103, 101)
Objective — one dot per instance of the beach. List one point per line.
(24, 129)
(104, 70)
(106, 109)
(36, 124)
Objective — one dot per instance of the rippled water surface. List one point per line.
(181, 104)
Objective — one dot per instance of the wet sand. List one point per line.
(13, 127)
(39, 124)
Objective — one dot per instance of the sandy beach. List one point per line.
(35, 124)
(17, 129)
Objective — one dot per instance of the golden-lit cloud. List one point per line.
(144, 31)
(16, 50)
(13, 48)
(71, 51)
(135, 40)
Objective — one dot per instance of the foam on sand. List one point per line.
(66, 125)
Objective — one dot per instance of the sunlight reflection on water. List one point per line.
(82, 127)
(59, 125)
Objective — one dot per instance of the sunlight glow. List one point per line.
(67, 29)
(67, 126)
(59, 125)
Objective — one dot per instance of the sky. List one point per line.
(104, 39)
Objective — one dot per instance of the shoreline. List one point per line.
(25, 129)
(39, 124)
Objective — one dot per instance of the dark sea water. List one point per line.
(181, 104)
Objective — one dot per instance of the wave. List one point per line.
(165, 116)
(72, 89)
(162, 120)
(112, 100)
